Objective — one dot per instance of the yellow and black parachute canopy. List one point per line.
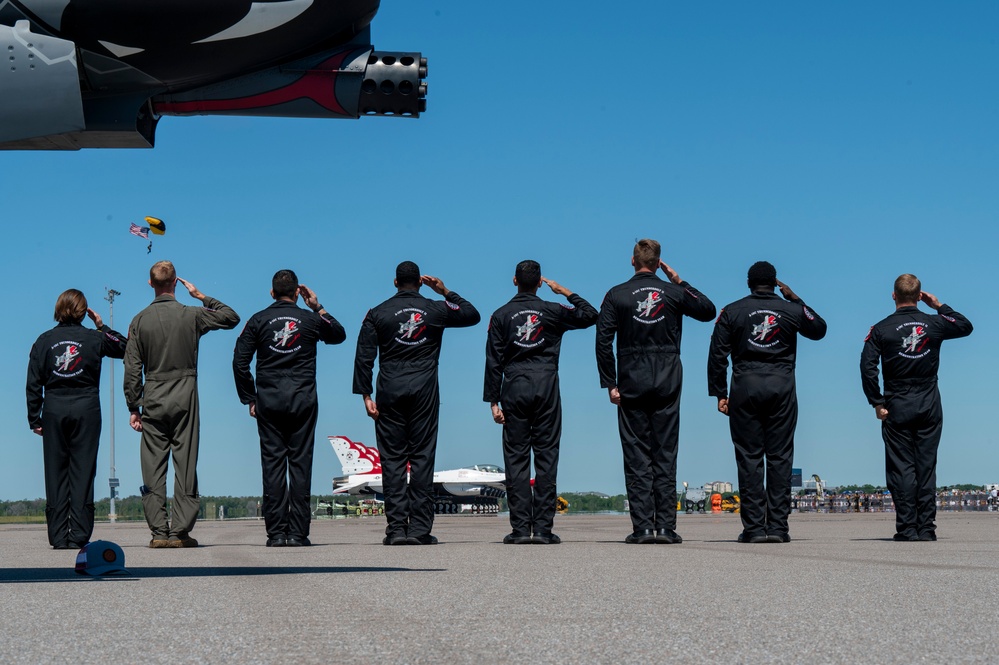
(156, 225)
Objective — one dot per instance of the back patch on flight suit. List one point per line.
(765, 327)
(527, 333)
(285, 333)
(412, 326)
(650, 305)
(67, 363)
(914, 340)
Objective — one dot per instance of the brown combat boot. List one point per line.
(182, 542)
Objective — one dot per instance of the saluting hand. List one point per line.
(436, 284)
(786, 291)
(309, 296)
(670, 273)
(192, 289)
(557, 288)
(95, 317)
(929, 299)
(498, 416)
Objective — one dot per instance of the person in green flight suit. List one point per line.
(161, 390)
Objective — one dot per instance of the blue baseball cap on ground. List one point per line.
(100, 557)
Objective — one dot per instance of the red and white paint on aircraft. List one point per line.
(472, 489)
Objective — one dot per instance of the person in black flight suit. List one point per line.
(284, 401)
(64, 408)
(406, 331)
(907, 344)
(522, 352)
(760, 332)
(646, 314)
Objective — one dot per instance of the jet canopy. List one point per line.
(485, 468)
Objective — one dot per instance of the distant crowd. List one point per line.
(877, 502)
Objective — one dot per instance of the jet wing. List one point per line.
(352, 487)
(41, 90)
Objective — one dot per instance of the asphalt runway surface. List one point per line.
(841, 592)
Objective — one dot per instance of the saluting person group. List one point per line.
(638, 338)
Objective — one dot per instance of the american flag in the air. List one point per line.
(136, 230)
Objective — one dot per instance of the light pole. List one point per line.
(112, 479)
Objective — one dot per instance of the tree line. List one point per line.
(130, 507)
(241, 507)
(237, 507)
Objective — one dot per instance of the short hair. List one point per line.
(907, 288)
(70, 307)
(407, 273)
(162, 275)
(528, 274)
(285, 284)
(762, 273)
(647, 253)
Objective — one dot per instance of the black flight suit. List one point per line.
(907, 344)
(406, 332)
(522, 352)
(284, 338)
(645, 313)
(760, 332)
(63, 391)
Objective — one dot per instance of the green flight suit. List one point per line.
(163, 344)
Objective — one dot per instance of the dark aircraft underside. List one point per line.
(101, 73)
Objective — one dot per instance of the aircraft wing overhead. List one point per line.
(101, 73)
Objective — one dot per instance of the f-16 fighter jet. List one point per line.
(473, 489)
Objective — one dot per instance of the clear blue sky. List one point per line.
(844, 142)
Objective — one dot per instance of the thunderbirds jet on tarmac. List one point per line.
(476, 489)
(101, 73)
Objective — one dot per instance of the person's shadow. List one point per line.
(32, 575)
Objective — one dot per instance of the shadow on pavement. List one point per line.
(22, 575)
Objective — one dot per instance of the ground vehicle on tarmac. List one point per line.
(692, 499)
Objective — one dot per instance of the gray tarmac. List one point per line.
(842, 591)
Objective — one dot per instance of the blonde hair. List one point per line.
(162, 275)
(907, 288)
(647, 254)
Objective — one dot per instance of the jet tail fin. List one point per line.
(356, 458)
